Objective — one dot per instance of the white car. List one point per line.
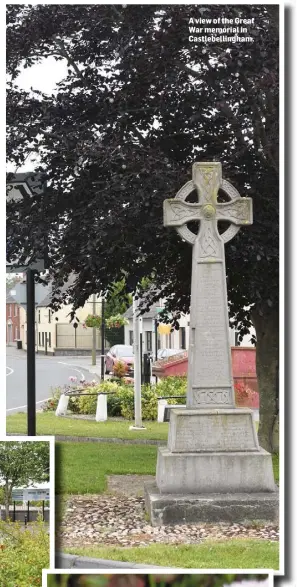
(165, 353)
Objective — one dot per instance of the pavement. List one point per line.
(72, 561)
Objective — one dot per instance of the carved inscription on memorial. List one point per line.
(211, 396)
(214, 432)
(212, 361)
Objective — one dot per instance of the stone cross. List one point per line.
(210, 381)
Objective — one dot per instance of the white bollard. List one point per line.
(162, 403)
(101, 412)
(62, 405)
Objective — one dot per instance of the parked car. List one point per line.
(165, 353)
(117, 353)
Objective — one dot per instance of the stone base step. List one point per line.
(240, 508)
(216, 472)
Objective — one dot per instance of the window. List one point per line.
(49, 316)
(16, 333)
(39, 316)
(149, 340)
(42, 338)
(130, 337)
(9, 310)
(49, 339)
(15, 310)
(182, 337)
(39, 338)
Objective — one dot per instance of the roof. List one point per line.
(10, 299)
(47, 300)
(152, 313)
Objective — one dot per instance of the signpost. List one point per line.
(31, 494)
(28, 495)
(19, 186)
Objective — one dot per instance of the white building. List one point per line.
(176, 339)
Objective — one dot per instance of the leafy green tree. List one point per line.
(116, 140)
(118, 301)
(21, 464)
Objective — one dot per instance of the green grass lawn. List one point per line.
(82, 467)
(49, 424)
(229, 554)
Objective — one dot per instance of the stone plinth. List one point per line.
(239, 472)
(212, 430)
(211, 508)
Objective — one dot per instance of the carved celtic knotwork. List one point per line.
(207, 180)
(208, 243)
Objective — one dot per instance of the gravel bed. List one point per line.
(119, 520)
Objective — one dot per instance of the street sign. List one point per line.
(17, 495)
(36, 494)
(30, 494)
(19, 186)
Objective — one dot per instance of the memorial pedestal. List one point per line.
(213, 470)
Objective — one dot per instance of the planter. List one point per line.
(93, 321)
(116, 321)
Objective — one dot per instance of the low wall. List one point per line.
(243, 368)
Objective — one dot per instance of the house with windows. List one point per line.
(54, 333)
(12, 320)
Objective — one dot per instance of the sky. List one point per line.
(44, 77)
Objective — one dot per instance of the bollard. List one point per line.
(162, 403)
(62, 405)
(26, 519)
(146, 368)
(101, 411)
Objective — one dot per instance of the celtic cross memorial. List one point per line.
(209, 370)
(212, 469)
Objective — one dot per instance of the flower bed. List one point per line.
(120, 399)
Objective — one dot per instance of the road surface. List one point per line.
(50, 372)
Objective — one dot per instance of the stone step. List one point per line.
(216, 472)
(237, 508)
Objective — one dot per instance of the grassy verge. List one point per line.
(81, 467)
(229, 554)
(49, 424)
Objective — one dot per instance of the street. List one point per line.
(51, 372)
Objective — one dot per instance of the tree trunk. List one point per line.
(267, 361)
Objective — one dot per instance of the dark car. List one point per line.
(117, 353)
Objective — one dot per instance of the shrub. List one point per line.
(120, 369)
(244, 395)
(126, 396)
(149, 396)
(121, 403)
(172, 386)
(24, 553)
(88, 404)
(51, 404)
